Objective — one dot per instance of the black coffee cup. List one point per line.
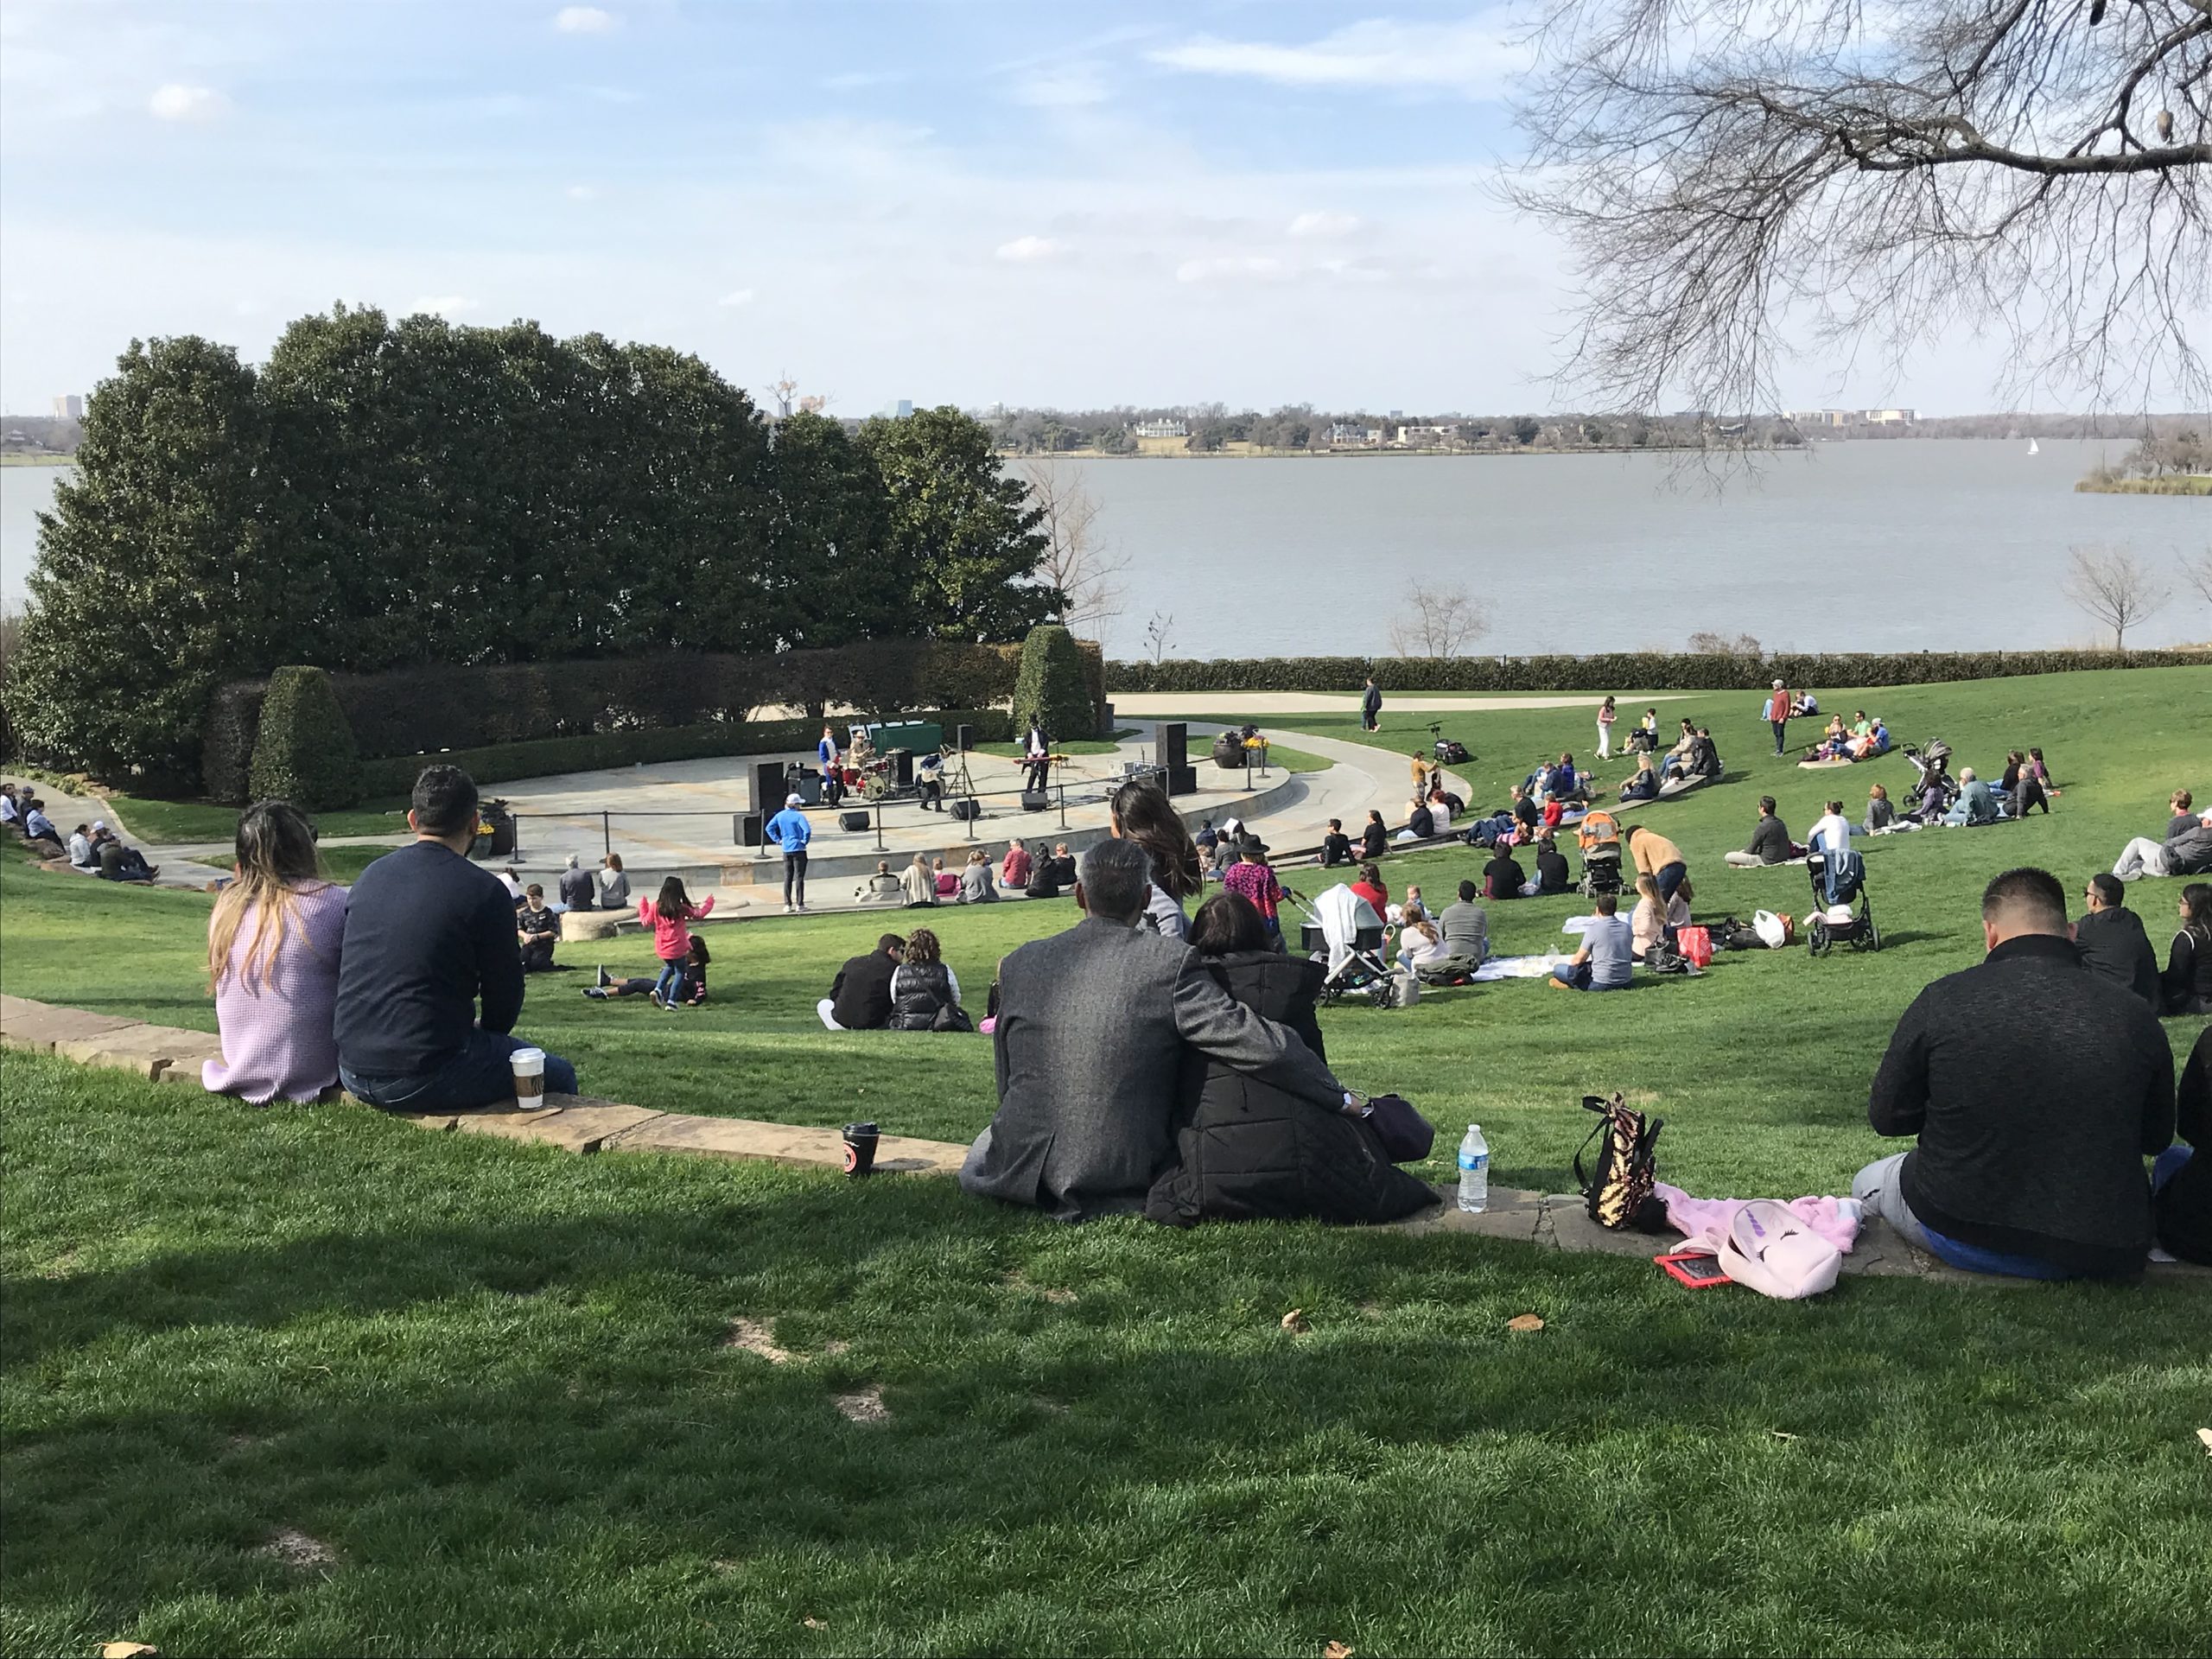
(859, 1148)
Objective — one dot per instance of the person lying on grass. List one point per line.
(430, 982)
(1095, 1028)
(1244, 1148)
(692, 988)
(274, 944)
(2186, 849)
(2034, 1090)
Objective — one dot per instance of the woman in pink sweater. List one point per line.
(670, 916)
(272, 964)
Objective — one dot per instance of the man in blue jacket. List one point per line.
(790, 830)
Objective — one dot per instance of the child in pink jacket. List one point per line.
(669, 917)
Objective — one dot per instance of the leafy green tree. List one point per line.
(963, 534)
(162, 570)
(836, 577)
(304, 751)
(1052, 686)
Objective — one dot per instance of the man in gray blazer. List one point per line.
(1093, 1029)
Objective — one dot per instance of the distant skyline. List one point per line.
(966, 203)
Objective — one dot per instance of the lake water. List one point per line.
(1935, 544)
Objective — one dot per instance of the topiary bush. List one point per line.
(1053, 687)
(305, 752)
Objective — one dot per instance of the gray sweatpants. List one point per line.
(1880, 1187)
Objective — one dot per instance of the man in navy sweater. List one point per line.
(430, 937)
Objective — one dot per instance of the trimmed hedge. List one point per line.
(305, 752)
(548, 756)
(1052, 688)
(411, 712)
(1621, 671)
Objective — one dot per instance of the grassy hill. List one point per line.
(494, 1381)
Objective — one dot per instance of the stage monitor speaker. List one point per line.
(768, 790)
(1182, 780)
(968, 807)
(751, 828)
(1174, 739)
(808, 789)
(1036, 800)
(851, 821)
(902, 769)
(963, 738)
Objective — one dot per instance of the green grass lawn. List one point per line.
(491, 1379)
(177, 822)
(1071, 745)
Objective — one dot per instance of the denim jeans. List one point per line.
(1781, 731)
(480, 1075)
(1880, 1187)
(669, 987)
(1670, 877)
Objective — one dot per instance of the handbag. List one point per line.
(1771, 1251)
(1406, 1136)
(1619, 1195)
(1696, 943)
(952, 1017)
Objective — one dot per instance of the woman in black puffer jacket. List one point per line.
(1246, 1151)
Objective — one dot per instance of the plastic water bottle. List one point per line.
(1474, 1171)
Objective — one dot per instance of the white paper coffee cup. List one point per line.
(529, 1079)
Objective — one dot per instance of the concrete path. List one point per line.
(582, 1124)
(178, 869)
(1178, 705)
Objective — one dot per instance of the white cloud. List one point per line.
(177, 102)
(441, 305)
(1220, 267)
(1468, 57)
(737, 297)
(853, 80)
(1032, 249)
(581, 192)
(1325, 226)
(1061, 87)
(582, 20)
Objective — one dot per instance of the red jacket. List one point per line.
(1778, 706)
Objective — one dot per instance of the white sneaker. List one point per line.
(790, 910)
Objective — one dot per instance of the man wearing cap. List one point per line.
(1777, 714)
(790, 830)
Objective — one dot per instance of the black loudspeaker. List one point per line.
(808, 789)
(963, 738)
(768, 790)
(1182, 780)
(968, 808)
(849, 821)
(902, 770)
(1174, 739)
(1035, 800)
(750, 826)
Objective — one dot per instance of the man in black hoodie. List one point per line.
(2035, 1090)
(2113, 943)
(860, 997)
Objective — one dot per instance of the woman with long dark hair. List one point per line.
(2186, 984)
(272, 963)
(1244, 1149)
(1139, 812)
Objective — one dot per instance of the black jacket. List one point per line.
(860, 997)
(2183, 1205)
(1552, 873)
(2115, 947)
(1245, 1150)
(2036, 1089)
(430, 950)
(925, 990)
(1374, 841)
(2186, 981)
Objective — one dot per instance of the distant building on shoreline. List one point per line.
(1847, 417)
(69, 408)
(1160, 430)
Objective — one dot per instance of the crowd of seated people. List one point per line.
(1862, 739)
(93, 848)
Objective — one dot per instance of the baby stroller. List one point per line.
(1344, 932)
(1599, 839)
(1842, 913)
(1932, 766)
(1450, 752)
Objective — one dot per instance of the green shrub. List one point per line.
(1621, 671)
(304, 753)
(1053, 689)
(548, 756)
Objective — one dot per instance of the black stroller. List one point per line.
(1842, 912)
(1932, 768)
(1449, 751)
(1362, 973)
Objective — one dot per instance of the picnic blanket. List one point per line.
(1519, 967)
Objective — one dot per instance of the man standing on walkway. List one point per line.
(429, 977)
(790, 830)
(1370, 707)
(2034, 1089)
(1777, 714)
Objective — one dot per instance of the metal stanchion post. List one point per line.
(606, 835)
(880, 807)
(1064, 803)
(969, 821)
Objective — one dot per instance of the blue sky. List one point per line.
(951, 202)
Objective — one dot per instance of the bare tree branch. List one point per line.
(2113, 585)
(1077, 560)
(1738, 176)
(1436, 622)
